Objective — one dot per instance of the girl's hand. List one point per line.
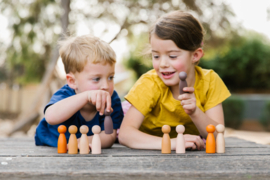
(188, 100)
(194, 142)
(101, 99)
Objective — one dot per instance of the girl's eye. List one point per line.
(111, 77)
(96, 79)
(173, 57)
(155, 56)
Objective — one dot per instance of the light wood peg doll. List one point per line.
(62, 140)
(210, 140)
(183, 82)
(180, 141)
(220, 141)
(108, 123)
(166, 140)
(84, 142)
(96, 143)
(72, 142)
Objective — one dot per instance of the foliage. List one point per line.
(242, 65)
(35, 25)
(233, 108)
(32, 25)
(265, 117)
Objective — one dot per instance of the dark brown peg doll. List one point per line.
(108, 123)
(183, 82)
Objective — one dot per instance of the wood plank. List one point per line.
(127, 167)
(20, 158)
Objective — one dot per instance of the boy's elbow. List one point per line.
(50, 119)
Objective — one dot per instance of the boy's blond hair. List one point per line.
(77, 51)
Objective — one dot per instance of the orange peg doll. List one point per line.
(72, 142)
(166, 140)
(210, 140)
(62, 140)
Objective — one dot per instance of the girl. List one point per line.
(175, 41)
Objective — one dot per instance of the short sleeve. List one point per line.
(217, 93)
(144, 94)
(117, 115)
(62, 93)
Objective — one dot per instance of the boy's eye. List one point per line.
(173, 57)
(155, 56)
(111, 77)
(96, 79)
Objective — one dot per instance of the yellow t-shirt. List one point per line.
(155, 101)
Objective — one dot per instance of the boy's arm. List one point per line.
(107, 140)
(64, 109)
(132, 137)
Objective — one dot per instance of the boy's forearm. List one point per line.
(107, 140)
(64, 109)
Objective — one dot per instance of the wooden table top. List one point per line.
(20, 158)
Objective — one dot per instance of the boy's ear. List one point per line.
(197, 55)
(71, 81)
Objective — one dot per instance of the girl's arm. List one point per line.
(212, 116)
(132, 137)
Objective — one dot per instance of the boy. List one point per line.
(89, 64)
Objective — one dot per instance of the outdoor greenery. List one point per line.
(244, 64)
(35, 27)
(265, 117)
(233, 109)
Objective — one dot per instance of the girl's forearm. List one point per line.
(201, 120)
(134, 138)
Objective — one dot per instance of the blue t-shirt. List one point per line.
(47, 135)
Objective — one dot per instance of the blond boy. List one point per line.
(90, 66)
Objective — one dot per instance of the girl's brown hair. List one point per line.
(182, 28)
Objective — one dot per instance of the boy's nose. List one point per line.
(105, 86)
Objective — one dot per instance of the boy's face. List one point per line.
(95, 77)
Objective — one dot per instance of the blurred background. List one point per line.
(236, 46)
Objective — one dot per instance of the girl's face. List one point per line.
(169, 60)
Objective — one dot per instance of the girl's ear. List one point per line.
(197, 55)
(71, 80)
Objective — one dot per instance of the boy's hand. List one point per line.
(101, 99)
(194, 142)
(188, 100)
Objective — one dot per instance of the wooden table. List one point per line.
(20, 158)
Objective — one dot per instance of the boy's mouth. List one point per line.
(167, 75)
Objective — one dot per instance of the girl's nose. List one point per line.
(163, 62)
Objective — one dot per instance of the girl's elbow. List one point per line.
(122, 138)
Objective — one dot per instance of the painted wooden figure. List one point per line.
(183, 82)
(220, 141)
(84, 142)
(180, 141)
(166, 140)
(62, 140)
(72, 142)
(108, 123)
(210, 140)
(96, 143)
